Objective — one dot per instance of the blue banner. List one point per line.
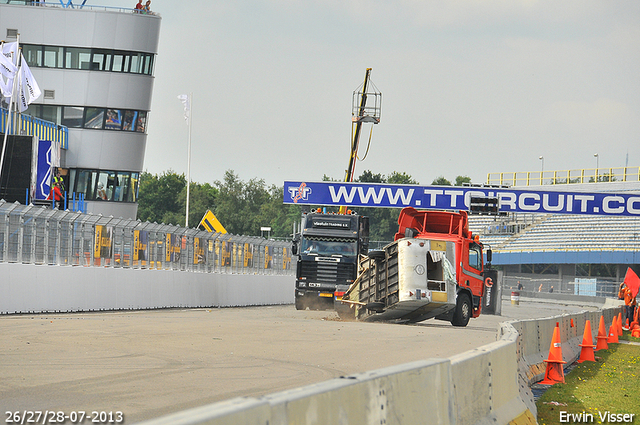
(459, 198)
(44, 169)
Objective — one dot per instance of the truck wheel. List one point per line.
(463, 311)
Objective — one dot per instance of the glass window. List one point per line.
(125, 63)
(141, 123)
(53, 56)
(148, 65)
(72, 116)
(85, 183)
(474, 256)
(51, 113)
(32, 54)
(101, 60)
(137, 63)
(129, 120)
(133, 190)
(77, 58)
(121, 187)
(114, 120)
(111, 185)
(118, 60)
(94, 118)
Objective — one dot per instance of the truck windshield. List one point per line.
(329, 246)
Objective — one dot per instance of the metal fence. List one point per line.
(574, 285)
(39, 235)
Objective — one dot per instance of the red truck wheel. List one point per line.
(463, 311)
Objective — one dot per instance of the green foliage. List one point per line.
(158, 197)
(460, 180)
(441, 181)
(609, 384)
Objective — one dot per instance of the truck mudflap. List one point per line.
(409, 281)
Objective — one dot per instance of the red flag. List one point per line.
(632, 281)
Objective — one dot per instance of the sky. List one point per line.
(468, 87)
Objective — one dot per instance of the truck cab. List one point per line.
(327, 249)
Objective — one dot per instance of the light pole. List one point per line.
(541, 158)
(597, 165)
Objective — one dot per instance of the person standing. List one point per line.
(56, 193)
(139, 6)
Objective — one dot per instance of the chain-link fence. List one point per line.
(574, 285)
(39, 235)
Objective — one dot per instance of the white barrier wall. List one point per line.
(28, 288)
(488, 385)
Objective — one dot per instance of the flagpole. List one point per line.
(189, 162)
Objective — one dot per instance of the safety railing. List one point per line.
(72, 4)
(39, 235)
(26, 125)
(586, 175)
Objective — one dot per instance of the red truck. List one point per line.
(433, 269)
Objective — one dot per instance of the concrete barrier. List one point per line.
(28, 288)
(487, 385)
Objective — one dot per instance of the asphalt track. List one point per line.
(151, 363)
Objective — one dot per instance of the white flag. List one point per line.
(7, 68)
(187, 107)
(21, 99)
(10, 50)
(28, 82)
(6, 89)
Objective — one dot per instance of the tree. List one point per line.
(460, 180)
(158, 197)
(441, 181)
(163, 198)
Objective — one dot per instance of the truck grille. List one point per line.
(327, 272)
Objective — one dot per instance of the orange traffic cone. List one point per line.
(602, 336)
(626, 325)
(613, 331)
(587, 351)
(554, 373)
(636, 333)
(619, 323)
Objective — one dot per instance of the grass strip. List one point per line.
(597, 392)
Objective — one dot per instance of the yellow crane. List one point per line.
(362, 113)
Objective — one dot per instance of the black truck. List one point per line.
(327, 249)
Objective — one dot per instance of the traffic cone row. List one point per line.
(554, 372)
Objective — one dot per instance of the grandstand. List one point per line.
(560, 249)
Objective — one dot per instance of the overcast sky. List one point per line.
(469, 87)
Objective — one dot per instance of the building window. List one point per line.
(105, 185)
(53, 57)
(114, 120)
(77, 58)
(72, 116)
(87, 58)
(92, 118)
(128, 123)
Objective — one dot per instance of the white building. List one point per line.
(94, 65)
